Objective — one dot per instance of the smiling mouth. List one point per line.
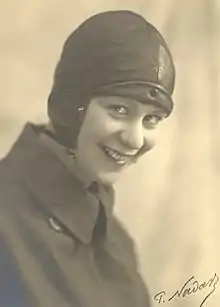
(118, 157)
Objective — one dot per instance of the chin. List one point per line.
(108, 178)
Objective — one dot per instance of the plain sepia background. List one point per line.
(169, 201)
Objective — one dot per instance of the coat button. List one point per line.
(55, 225)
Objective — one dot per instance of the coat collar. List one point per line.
(60, 193)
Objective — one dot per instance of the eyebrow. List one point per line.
(156, 104)
(129, 101)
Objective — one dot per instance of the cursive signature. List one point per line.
(190, 287)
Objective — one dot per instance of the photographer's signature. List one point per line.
(190, 287)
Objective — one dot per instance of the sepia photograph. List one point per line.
(109, 153)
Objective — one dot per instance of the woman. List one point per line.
(60, 243)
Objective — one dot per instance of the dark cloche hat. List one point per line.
(115, 53)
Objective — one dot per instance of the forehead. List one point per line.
(144, 107)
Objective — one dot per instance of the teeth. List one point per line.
(116, 156)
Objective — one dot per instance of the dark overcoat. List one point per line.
(59, 244)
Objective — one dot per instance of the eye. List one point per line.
(118, 110)
(151, 121)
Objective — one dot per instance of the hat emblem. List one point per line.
(163, 63)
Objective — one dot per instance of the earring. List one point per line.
(81, 109)
(81, 114)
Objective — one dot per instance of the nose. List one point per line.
(134, 136)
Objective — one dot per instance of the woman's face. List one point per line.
(115, 132)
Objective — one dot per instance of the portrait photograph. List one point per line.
(109, 153)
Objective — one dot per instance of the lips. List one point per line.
(118, 157)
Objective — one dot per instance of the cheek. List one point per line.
(99, 131)
(103, 129)
(151, 138)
